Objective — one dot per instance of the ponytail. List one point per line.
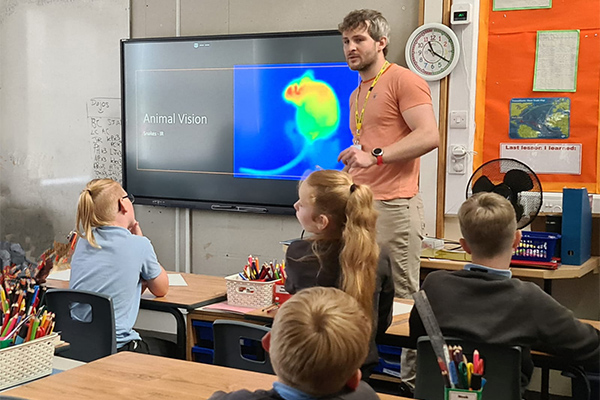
(360, 253)
(97, 206)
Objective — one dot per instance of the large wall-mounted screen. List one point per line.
(232, 122)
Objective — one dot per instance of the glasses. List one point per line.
(130, 197)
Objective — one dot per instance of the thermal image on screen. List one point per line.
(290, 120)
(317, 107)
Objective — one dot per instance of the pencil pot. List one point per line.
(462, 394)
(26, 362)
(249, 293)
(280, 295)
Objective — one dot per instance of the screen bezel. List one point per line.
(214, 205)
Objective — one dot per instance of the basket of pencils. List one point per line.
(27, 361)
(254, 287)
(536, 246)
(26, 338)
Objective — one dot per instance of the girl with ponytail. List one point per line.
(342, 251)
(113, 257)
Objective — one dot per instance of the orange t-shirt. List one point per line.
(397, 90)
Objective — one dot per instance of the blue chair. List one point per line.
(502, 370)
(86, 321)
(238, 345)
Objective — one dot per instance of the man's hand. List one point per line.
(352, 157)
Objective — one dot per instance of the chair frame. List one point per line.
(88, 341)
(503, 377)
(227, 335)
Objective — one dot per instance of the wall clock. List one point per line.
(432, 51)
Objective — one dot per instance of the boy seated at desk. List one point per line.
(482, 303)
(319, 340)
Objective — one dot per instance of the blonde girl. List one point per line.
(342, 251)
(114, 258)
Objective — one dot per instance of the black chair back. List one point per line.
(238, 345)
(502, 370)
(86, 321)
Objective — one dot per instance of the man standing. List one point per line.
(392, 120)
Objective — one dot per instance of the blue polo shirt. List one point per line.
(116, 269)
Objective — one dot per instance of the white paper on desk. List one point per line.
(64, 275)
(401, 308)
(225, 307)
(176, 280)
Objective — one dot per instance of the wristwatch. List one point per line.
(378, 154)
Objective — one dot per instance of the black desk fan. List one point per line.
(513, 180)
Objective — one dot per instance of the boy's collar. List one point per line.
(507, 273)
(290, 393)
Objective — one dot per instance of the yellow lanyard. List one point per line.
(360, 117)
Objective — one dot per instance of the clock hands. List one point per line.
(436, 54)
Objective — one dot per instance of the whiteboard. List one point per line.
(59, 62)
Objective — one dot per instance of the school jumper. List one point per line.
(281, 391)
(485, 305)
(304, 271)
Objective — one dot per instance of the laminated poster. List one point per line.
(540, 118)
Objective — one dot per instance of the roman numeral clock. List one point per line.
(432, 51)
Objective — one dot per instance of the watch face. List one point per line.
(432, 51)
(377, 152)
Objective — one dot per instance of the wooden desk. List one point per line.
(397, 335)
(547, 275)
(129, 375)
(200, 291)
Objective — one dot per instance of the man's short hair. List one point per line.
(375, 23)
(488, 223)
(320, 337)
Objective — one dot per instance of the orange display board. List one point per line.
(507, 52)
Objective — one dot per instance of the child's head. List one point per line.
(327, 198)
(99, 205)
(319, 340)
(488, 224)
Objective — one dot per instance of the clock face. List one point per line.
(432, 51)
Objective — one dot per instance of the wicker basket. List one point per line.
(249, 293)
(26, 362)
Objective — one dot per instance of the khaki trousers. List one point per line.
(400, 228)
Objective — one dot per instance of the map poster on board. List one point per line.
(540, 118)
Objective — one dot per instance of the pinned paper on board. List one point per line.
(556, 57)
(505, 5)
(546, 158)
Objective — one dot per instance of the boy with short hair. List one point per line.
(481, 303)
(319, 340)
